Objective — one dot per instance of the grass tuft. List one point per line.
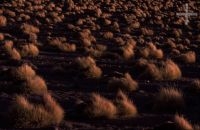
(182, 123)
(124, 83)
(169, 99)
(125, 106)
(101, 107)
(29, 115)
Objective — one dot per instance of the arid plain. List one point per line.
(99, 65)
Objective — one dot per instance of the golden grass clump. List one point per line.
(66, 47)
(93, 72)
(97, 50)
(85, 62)
(14, 54)
(29, 50)
(124, 83)
(29, 29)
(11, 51)
(151, 51)
(1, 36)
(61, 45)
(188, 57)
(128, 51)
(169, 99)
(8, 45)
(182, 123)
(147, 32)
(55, 42)
(69, 4)
(28, 115)
(86, 37)
(152, 71)
(31, 82)
(3, 21)
(98, 12)
(148, 69)
(125, 106)
(88, 65)
(177, 32)
(24, 72)
(170, 70)
(108, 35)
(53, 108)
(101, 107)
(35, 85)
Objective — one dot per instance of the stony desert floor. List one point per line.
(99, 64)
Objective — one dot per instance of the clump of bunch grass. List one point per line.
(11, 51)
(61, 45)
(1, 37)
(31, 83)
(88, 66)
(125, 106)
(169, 99)
(188, 57)
(24, 114)
(3, 21)
(101, 107)
(168, 70)
(151, 51)
(125, 83)
(148, 69)
(29, 50)
(29, 29)
(24, 72)
(35, 84)
(87, 38)
(108, 35)
(182, 123)
(195, 85)
(128, 50)
(97, 50)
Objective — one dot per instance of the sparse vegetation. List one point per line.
(35, 85)
(128, 51)
(124, 83)
(101, 107)
(29, 50)
(29, 115)
(168, 70)
(195, 85)
(3, 21)
(182, 123)
(188, 57)
(169, 99)
(171, 71)
(62, 45)
(1, 37)
(24, 72)
(125, 106)
(151, 51)
(108, 35)
(11, 51)
(124, 50)
(29, 29)
(88, 66)
(87, 38)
